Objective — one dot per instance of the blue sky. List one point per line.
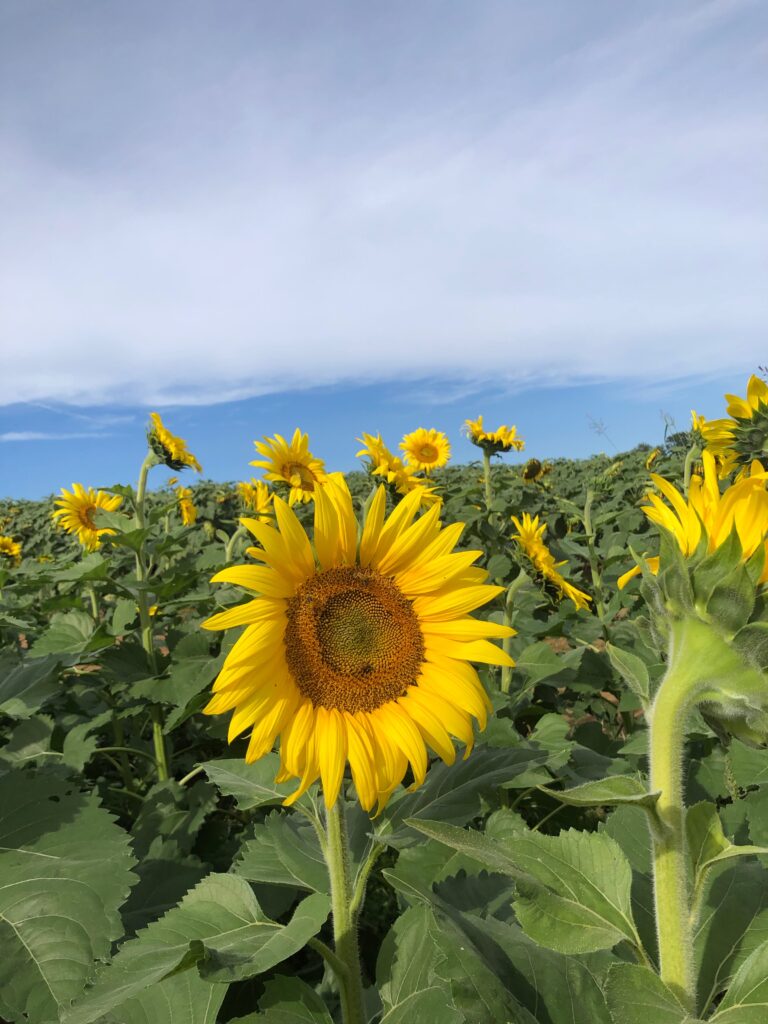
(256, 215)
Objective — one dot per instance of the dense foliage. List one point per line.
(132, 899)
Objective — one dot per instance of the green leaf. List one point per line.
(64, 871)
(616, 789)
(252, 785)
(707, 844)
(26, 685)
(71, 632)
(574, 888)
(89, 567)
(30, 741)
(284, 851)
(637, 995)
(632, 670)
(220, 926)
(746, 1001)
(181, 999)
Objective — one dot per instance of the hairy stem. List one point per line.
(344, 916)
(487, 478)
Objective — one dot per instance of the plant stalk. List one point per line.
(230, 545)
(487, 478)
(344, 916)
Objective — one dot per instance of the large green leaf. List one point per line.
(64, 872)
(615, 790)
(574, 888)
(71, 632)
(26, 685)
(284, 851)
(746, 1001)
(637, 995)
(252, 785)
(707, 844)
(219, 926)
(181, 999)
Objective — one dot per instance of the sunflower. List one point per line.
(170, 449)
(357, 651)
(651, 457)
(186, 505)
(426, 449)
(533, 471)
(743, 437)
(394, 471)
(503, 439)
(10, 549)
(530, 537)
(292, 464)
(708, 515)
(77, 509)
(257, 498)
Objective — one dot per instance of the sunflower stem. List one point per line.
(487, 478)
(344, 915)
(691, 455)
(508, 617)
(145, 619)
(94, 603)
(229, 548)
(594, 562)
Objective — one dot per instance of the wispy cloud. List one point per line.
(503, 193)
(34, 435)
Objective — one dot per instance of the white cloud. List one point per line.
(607, 223)
(35, 435)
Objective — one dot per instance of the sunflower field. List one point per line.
(421, 744)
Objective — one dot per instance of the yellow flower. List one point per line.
(708, 514)
(503, 439)
(10, 549)
(292, 464)
(357, 650)
(257, 497)
(426, 449)
(186, 505)
(530, 537)
(743, 437)
(394, 471)
(77, 509)
(651, 457)
(533, 471)
(170, 449)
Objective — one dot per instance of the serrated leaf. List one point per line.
(29, 741)
(289, 1001)
(616, 789)
(707, 844)
(632, 670)
(182, 999)
(746, 1001)
(64, 871)
(252, 785)
(90, 567)
(219, 926)
(637, 995)
(26, 685)
(71, 632)
(284, 850)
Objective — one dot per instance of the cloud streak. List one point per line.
(582, 206)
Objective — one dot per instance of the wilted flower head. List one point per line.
(168, 448)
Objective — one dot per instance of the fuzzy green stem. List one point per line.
(487, 478)
(145, 619)
(691, 455)
(594, 561)
(230, 545)
(94, 603)
(508, 617)
(344, 916)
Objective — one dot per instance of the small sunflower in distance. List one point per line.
(291, 463)
(530, 537)
(533, 471)
(10, 549)
(77, 509)
(186, 505)
(357, 650)
(257, 498)
(426, 449)
(503, 439)
(394, 471)
(168, 448)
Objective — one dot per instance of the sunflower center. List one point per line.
(428, 453)
(85, 514)
(352, 640)
(299, 475)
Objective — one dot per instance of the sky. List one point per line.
(345, 217)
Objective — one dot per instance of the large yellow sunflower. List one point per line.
(76, 511)
(291, 463)
(168, 448)
(357, 651)
(530, 537)
(426, 449)
(708, 513)
(186, 505)
(257, 498)
(10, 549)
(743, 437)
(503, 439)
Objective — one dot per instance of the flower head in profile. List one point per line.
(503, 439)
(390, 468)
(256, 497)
(708, 516)
(742, 437)
(358, 648)
(168, 448)
(291, 463)
(10, 550)
(77, 509)
(533, 471)
(651, 457)
(530, 538)
(426, 450)
(186, 505)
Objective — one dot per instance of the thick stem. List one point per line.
(145, 619)
(671, 880)
(487, 478)
(94, 603)
(344, 916)
(230, 545)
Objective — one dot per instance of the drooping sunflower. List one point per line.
(503, 439)
(426, 450)
(357, 651)
(10, 549)
(257, 498)
(530, 537)
(186, 505)
(533, 471)
(391, 468)
(708, 514)
(291, 463)
(170, 449)
(76, 511)
(742, 437)
(651, 457)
